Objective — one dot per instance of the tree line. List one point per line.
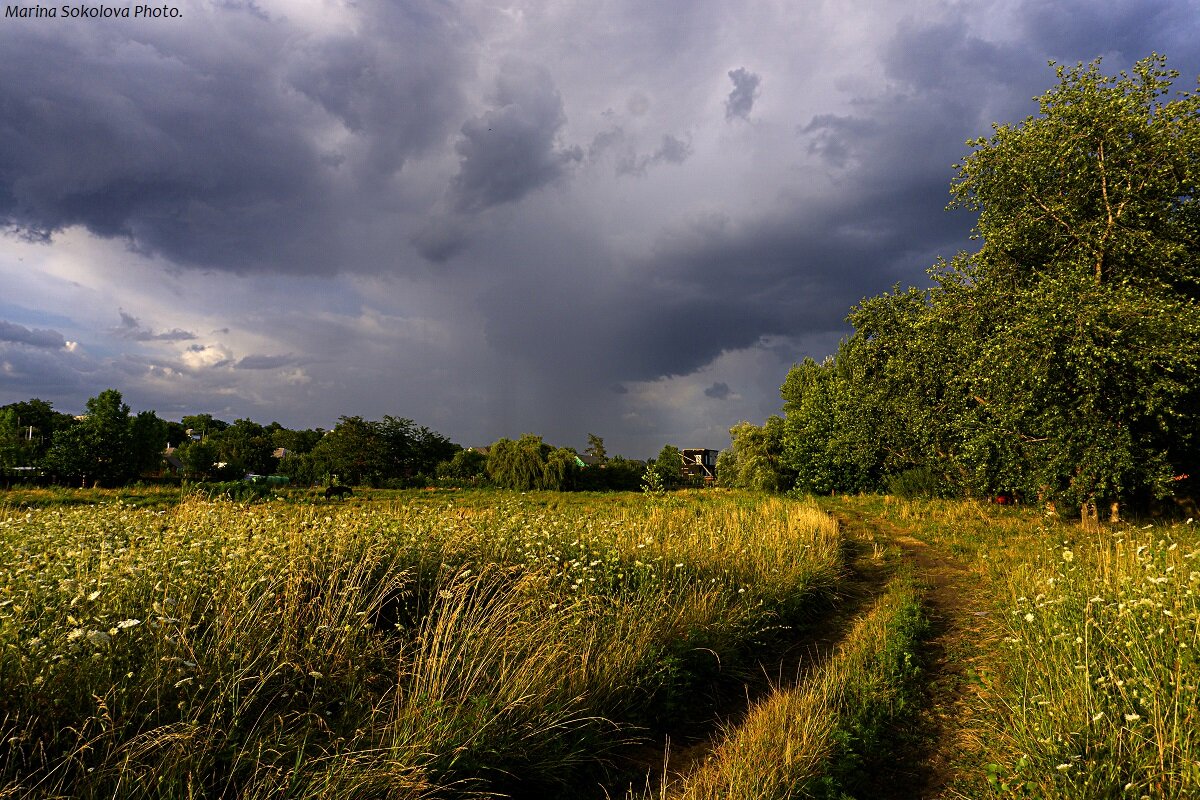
(1059, 361)
(111, 446)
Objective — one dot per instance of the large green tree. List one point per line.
(107, 446)
(754, 459)
(1062, 358)
(1084, 376)
(530, 463)
(26, 431)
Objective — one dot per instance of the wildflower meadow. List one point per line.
(403, 649)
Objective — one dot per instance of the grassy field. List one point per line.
(414, 645)
(1088, 666)
(451, 644)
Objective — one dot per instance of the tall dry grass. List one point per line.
(811, 739)
(399, 650)
(1092, 643)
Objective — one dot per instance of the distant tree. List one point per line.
(295, 441)
(530, 463)
(203, 425)
(465, 467)
(176, 433)
(354, 451)
(147, 440)
(667, 468)
(595, 448)
(199, 459)
(246, 446)
(518, 464)
(16, 447)
(70, 456)
(26, 430)
(301, 469)
(622, 474)
(412, 449)
(107, 446)
(727, 468)
(561, 470)
(756, 457)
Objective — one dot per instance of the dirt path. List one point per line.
(684, 748)
(928, 756)
(928, 751)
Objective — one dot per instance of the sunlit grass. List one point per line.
(1094, 640)
(404, 648)
(811, 740)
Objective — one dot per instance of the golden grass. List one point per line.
(376, 649)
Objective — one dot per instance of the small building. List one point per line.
(699, 462)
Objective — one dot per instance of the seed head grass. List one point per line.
(404, 648)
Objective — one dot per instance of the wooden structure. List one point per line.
(700, 462)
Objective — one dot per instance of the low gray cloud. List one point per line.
(718, 391)
(256, 361)
(34, 337)
(740, 102)
(512, 149)
(672, 151)
(131, 328)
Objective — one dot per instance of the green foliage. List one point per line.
(915, 482)
(666, 471)
(107, 446)
(199, 459)
(26, 431)
(755, 457)
(246, 446)
(393, 451)
(595, 448)
(529, 463)
(617, 474)
(466, 467)
(1062, 359)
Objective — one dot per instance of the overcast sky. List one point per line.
(605, 216)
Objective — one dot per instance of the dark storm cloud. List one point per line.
(740, 102)
(43, 372)
(34, 337)
(223, 140)
(729, 281)
(718, 391)
(708, 290)
(1124, 30)
(512, 149)
(131, 328)
(441, 238)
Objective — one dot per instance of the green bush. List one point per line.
(916, 482)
